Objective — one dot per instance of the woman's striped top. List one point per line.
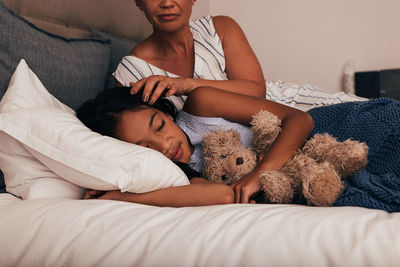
(209, 62)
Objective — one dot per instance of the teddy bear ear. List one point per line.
(235, 136)
(229, 137)
(221, 137)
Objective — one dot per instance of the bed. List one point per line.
(44, 221)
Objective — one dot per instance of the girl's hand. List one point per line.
(96, 194)
(246, 187)
(156, 85)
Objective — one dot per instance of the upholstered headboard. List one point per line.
(74, 18)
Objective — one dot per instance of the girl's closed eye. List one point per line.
(156, 122)
(161, 126)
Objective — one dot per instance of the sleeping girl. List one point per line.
(118, 113)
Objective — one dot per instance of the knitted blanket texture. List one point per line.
(377, 123)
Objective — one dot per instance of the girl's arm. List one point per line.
(296, 127)
(244, 72)
(199, 193)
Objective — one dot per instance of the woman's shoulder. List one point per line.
(142, 49)
(219, 24)
(224, 24)
(148, 52)
(222, 20)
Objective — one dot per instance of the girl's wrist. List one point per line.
(121, 196)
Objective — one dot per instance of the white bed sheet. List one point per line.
(110, 233)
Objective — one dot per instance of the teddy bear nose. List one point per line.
(239, 161)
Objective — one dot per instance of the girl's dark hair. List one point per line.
(102, 113)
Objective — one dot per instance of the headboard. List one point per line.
(74, 18)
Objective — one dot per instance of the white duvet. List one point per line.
(111, 233)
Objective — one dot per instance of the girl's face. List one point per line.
(152, 128)
(167, 15)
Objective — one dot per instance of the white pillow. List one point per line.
(51, 132)
(24, 175)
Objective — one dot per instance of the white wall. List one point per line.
(201, 8)
(310, 41)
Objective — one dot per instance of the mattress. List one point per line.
(66, 232)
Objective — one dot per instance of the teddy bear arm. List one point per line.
(346, 157)
(277, 187)
(265, 127)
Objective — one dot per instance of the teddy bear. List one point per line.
(314, 173)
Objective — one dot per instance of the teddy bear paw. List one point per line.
(265, 127)
(354, 157)
(322, 186)
(277, 187)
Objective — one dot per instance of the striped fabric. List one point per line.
(209, 59)
(305, 96)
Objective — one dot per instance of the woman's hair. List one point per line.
(102, 113)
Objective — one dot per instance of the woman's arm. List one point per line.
(244, 72)
(242, 66)
(245, 75)
(199, 193)
(296, 127)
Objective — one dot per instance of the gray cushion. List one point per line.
(73, 70)
(119, 47)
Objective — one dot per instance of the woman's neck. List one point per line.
(174, 44)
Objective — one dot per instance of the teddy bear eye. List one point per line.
(223, 156)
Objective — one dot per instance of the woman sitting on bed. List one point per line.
(117, 113)
(180, 55)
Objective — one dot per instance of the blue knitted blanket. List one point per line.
(377, 123)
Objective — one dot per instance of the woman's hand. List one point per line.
(247, 187)
(156, 85)
(96, 194)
